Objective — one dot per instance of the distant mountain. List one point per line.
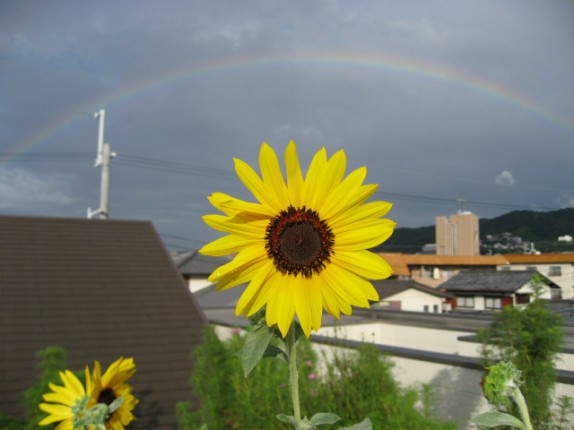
(532, 226)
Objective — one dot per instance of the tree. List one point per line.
(530, 338)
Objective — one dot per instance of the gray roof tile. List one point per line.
(501, 281)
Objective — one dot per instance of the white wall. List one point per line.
(565, 281)
(196, 285)
(527, 289)
(428, 339)
(414, 300)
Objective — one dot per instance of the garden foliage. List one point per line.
(353, 385)
(530, 338)
(53, 360)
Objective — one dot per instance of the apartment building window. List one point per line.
(505, 268)
(555, 271)
(465, 302)
(492, 303)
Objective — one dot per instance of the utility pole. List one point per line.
(103, 158)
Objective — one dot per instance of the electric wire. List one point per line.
(159, 165)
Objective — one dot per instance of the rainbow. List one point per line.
(379, 62)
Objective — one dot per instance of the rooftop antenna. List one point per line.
(103, 157)
(461, 201)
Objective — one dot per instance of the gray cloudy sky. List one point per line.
(436, 98)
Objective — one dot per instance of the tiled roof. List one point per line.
(100, 289)
(506, 281)
(390, 287)
(210, 298)
(567, 257)
(192, 263)
(454, 260)
(397, 262)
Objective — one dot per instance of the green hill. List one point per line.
(542, 228)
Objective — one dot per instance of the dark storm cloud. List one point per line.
(502, 112)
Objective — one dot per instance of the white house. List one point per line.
(491, 290)
(559, 268)
(410, 296)
(196, 268)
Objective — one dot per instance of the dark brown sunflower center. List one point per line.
(107, 396)
(298, 241)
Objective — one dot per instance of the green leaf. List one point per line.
(287, 419)
(203, 427)
(366, 424)
(255, 346)
(324, 418)
(494, 419)
(273, 351)
(115, 405)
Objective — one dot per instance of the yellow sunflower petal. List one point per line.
(329, 180)
(329, 298)
(363, 235)
(358, 213)
(294, 175)
(363, 263)
(118, 372)
(241, 276)
(65, 425)
(60, 411)
(50, 419)
(65, 399)
(349, 287)
(72, 382)
(255, 184)
(245, 258)
(339, 197)
(253, 291)
(308, 305)
(89, 381)
(232, 206)
(272, 176)
(229, 244)
(63, 391)
(313, 177)
(281, 308)
(255, 229)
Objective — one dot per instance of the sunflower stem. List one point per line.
(293, 372)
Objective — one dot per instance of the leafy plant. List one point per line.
(355, 385)
(53, 360)
(530, 338)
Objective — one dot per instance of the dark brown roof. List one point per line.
(101, 289)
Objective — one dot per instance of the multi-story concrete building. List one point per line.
(457, 234)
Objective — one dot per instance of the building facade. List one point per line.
(457, 234)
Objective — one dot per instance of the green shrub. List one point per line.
(530, 338)
(53, 360)
(354, 386)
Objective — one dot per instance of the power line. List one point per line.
(155, 164)
(443, 200)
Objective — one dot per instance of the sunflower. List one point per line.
(303, 245)
(67, 402)
(111, 385)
